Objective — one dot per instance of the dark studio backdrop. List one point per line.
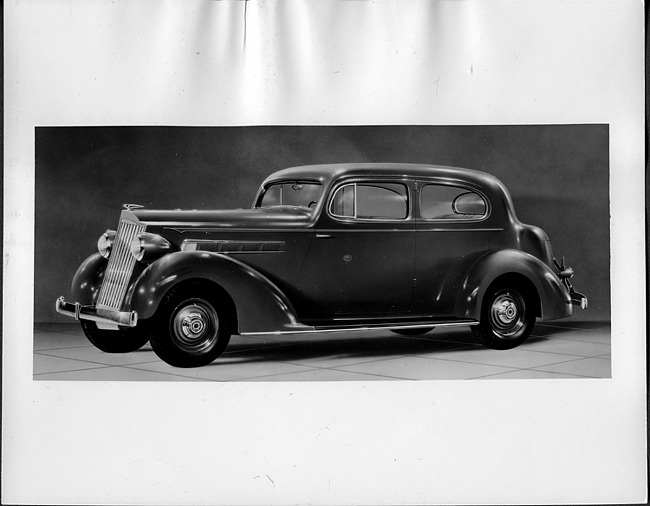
(558, 176)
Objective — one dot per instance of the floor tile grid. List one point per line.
(575, 354)
(100, 363)
(136, 364)
(96, 364)
(566, 357)
(586, 334)
(316, 367)
(540, 369)
(266, 377)
(349, 366)
(179, 373)
(275, 345)
(535, 369)
(582, 326)
(359, 363)
(54, 375)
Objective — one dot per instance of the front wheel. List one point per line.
(507, 319)
(190, 328)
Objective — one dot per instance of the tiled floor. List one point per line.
(555, 350)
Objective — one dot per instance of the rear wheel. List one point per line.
(123, 340)
(413, 332)
(190, 327)
(507, 319)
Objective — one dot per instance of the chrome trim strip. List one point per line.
(414, 224)
(233, 246)
(420, 230)
(317, 330)
(79, 312)
(182, 230)
(410, 224)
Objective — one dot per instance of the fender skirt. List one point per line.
(555, 300)
(261, 306)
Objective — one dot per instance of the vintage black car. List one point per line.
(324, 248)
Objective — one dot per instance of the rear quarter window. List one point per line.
(444, 202)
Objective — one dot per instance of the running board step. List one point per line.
(357, 325)
(410, 325)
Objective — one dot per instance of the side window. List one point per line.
(443, 202)
(273, 196)
(343, 202)
(371, 201)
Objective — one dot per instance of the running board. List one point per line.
(367, 326)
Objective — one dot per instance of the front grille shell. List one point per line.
(120, 264)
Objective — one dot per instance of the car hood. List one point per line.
(276, 217)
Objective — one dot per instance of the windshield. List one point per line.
(291, 193)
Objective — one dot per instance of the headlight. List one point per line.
(105, 243)
(146, 247)
(137, 248)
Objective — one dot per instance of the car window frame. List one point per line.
(407, 184)
(466, 188)
(264, 188)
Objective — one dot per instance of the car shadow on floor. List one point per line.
(363, 348)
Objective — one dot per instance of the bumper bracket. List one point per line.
(565, 274)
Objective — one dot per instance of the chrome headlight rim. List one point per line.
(105, 243)
(137, 248)
(146, 247)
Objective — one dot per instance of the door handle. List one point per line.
(324, 236)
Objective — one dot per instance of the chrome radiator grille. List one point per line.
(120, 266)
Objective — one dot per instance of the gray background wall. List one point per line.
(558, 176)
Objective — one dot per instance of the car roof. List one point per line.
(327, 174)
(330, 172)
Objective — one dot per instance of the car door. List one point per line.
(454, 229)
(361, 259)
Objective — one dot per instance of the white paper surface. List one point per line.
(313, 63)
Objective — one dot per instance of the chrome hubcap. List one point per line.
(507, 314)
(195, 325)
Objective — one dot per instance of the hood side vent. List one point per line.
(234, 246)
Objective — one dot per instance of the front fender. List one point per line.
(88, 280)
(261, 305)
(554, 298)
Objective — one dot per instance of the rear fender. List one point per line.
(555, 301)
(261, 306)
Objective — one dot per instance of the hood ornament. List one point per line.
(131, 207)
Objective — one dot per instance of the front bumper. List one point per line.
(100, 315)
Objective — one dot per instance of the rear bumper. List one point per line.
(565, 274)
(101, 315)
(578, 299)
